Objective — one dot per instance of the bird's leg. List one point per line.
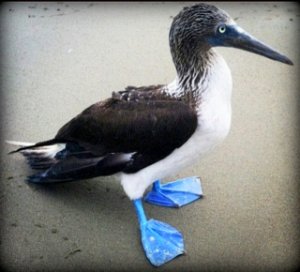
(161, 242)
(175, 194)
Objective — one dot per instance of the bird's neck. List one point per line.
(193, 70)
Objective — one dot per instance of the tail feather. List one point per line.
(41, 163)
(39, 156)
(62, 162)
(27, 146)
(73, 168)
(19, 143)
(42, 178)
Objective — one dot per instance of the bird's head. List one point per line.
(199, 27)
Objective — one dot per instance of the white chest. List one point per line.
(214, 119)
(214, 107)
(214, 111)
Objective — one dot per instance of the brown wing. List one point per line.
(150, 128)
(133, 129)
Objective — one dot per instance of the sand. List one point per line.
(58, 58)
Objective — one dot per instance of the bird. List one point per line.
(145, 134)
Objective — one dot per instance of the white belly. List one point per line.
(214, 119)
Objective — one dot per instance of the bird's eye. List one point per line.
(222, 29)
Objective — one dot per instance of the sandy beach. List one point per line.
(59, 58)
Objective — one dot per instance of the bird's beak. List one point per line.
(238, 38)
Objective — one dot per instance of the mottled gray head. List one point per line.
(193, 25)
(199, 27)
(191, 29)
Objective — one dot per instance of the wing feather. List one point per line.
(127, 132)
(151, 129)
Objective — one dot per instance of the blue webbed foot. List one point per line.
(161, 241)
(175, 194)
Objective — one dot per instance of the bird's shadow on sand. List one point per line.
(99, 197)
(102, 195)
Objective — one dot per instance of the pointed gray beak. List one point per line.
(236, 37)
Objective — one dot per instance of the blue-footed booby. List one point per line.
(144, 134)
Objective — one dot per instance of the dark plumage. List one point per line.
(144, 122)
